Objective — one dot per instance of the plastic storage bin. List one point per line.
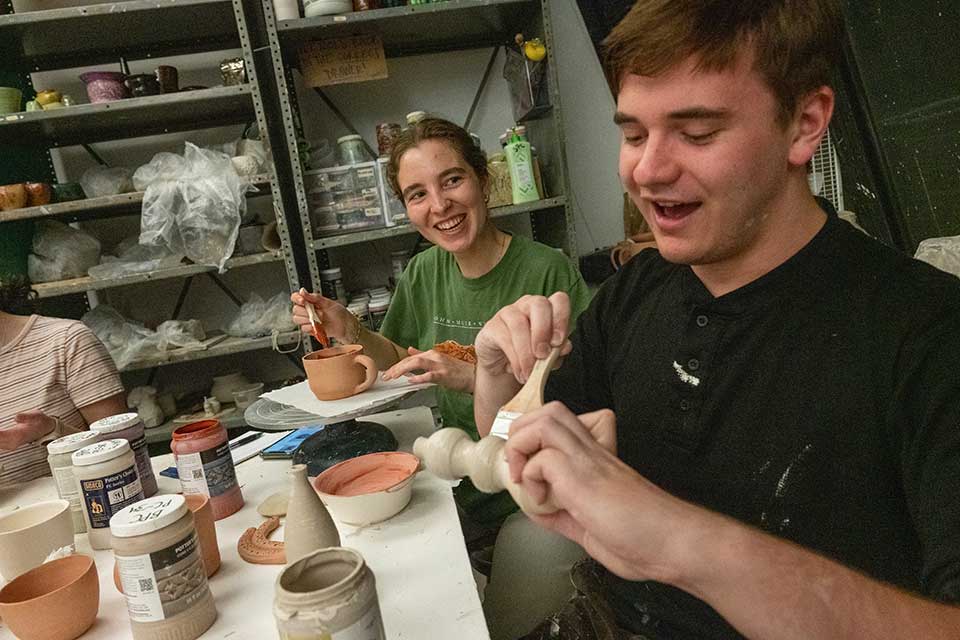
(344, 198)
(393, 210)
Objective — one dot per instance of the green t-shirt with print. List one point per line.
(434, 302)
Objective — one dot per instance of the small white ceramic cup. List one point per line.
(29, 534)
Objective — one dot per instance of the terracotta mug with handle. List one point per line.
(339, 372)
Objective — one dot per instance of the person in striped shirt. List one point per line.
(56, 378)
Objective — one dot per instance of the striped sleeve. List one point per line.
(90, 373)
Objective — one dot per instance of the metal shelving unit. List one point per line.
(131, 118)
(100, 33)
(429, 28)
(389, 232)
(138, 29)
(94, 208)
(220, 345)
(453, 25)
(86, 283)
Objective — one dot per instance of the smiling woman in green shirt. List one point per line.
(450, 290)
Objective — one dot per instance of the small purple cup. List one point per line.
(104, 86)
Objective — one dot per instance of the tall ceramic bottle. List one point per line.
(520, 162)
(308, 526)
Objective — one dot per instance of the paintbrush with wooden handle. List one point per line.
(318, 331)
(529, 397)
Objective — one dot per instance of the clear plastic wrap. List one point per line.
(943, 253)
(259, 317)
(192, 204)
(61, 252)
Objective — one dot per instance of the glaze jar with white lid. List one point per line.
(161, 570)
(130, 427)
(59, 457)
(107, 481)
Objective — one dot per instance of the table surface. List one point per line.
(424, 582)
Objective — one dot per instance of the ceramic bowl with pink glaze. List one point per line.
(369, 488)
(56, 601)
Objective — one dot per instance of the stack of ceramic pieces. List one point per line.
(10, 99)
(326, 7)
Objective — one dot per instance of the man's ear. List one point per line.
(810, 124)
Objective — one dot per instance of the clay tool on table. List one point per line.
(529, 397)
(318, 330)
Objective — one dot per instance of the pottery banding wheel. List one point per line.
(341, 441)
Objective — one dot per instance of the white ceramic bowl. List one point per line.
(29, 534)
(368, 488)
(326, 7)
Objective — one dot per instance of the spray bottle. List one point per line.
(520, 162)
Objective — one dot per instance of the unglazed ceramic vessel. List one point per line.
(29, 534)
(56, 601)
(339, 372)
(256, 547)
(206, 531)
(369, 488)
(451, 454)
(224, 386)
(308, 526)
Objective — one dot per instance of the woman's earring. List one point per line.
(486, 198)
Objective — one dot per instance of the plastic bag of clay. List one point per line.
(61, 252)
(527, 81)
(125, 340)
(259, 317)
(176, 334)
(106, 181)
(193, 207)
(137, 258)
(943, 253)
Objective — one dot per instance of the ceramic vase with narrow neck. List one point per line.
(308, 526)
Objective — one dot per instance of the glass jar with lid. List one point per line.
(352, 149)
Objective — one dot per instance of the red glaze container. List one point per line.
(205, 465)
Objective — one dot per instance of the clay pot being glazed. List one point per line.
(339, 372)
(308, 526)
(56, 601)
(369, 488)
(29, 534)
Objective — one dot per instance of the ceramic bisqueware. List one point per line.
(29, 534)
(168, 78)
(13, 196)
(339, 372)
(10, 98)
(206, 531)
(224, 386)
(369, 488)
(104, 86)
(246, 396)
(308, 526)
(56, 601)
(38, 193)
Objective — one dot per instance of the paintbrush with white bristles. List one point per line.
(529, 397)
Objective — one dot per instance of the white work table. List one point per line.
(424, 582)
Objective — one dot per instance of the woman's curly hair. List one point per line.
(16, 295)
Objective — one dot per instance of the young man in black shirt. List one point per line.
(759, 426)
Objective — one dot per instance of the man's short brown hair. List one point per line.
(795, 43)
(455, 136)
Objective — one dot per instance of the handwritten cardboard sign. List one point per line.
(343, 60)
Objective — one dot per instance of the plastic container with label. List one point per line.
(130, 427)
(205, 465)
(107, 481)
(161, 570)
(378, 310)
(59, 453)
(331, 285)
